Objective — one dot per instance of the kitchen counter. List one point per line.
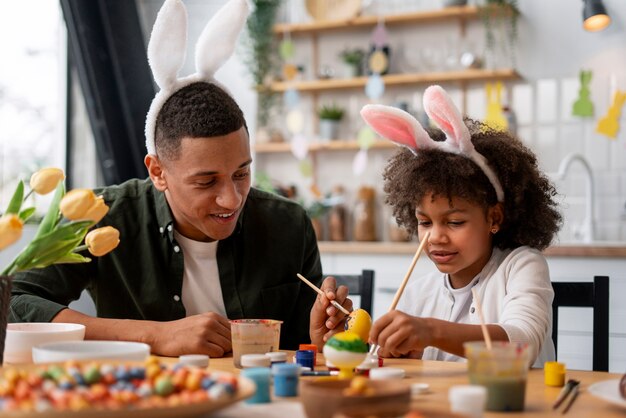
(599, 249)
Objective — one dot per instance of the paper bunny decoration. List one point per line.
(609, 124)
(495, 116)
(402, 128)
(166, 51)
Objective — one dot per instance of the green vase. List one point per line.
(5, 298)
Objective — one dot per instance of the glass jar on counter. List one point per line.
(365, 215)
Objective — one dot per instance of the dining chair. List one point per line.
(586, 294)
(359, 284)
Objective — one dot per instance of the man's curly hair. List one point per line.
(199, 110)
(530, 211)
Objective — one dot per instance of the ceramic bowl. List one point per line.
(324, 398)
(22, 337)
(90, 350)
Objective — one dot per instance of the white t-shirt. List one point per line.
(202, 291)
(515, 291)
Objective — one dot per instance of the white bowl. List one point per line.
(90, 350)
(22, 337)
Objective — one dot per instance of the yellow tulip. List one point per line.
(97, 211)
(10, 229)
(46, 180)
(102, 240)
(76, 203)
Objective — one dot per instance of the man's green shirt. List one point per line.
(143, 277)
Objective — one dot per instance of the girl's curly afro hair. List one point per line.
(530, 211)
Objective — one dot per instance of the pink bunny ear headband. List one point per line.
(166, 52)
(400, 127)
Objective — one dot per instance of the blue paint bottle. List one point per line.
(286, 378)
(261, 377)
(305, 358)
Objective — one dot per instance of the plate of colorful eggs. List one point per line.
(150, 389)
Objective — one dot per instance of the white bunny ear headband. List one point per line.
(166, 52)
(400, 127)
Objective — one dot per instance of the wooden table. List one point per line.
(442, 375)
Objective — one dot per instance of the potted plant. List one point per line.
(499, 19)
(353, 58)
(259, 54)
(330, 116)
(58, 239)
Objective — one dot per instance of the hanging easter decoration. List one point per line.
(609, 124)
(375, 87)
(377, 62)
(299, 146)
(306, 168)
(287, 49)
(291, 98)
(295, 121)
(359, 164)
(495, 118)
(366, 137)
(583, 106)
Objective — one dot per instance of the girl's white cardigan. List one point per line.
(515, 291)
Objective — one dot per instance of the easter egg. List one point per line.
(359, 322)
(345, 350)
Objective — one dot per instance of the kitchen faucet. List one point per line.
(586, 231)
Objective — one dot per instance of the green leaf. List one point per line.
(27, 213)
(16, 201)
(51, 246)
(52, 216)
(72, 258)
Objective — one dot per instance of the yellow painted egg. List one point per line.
(359, 322)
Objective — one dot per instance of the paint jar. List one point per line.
(261, 378)
(386, 373)
(249, 361)
(286, 378)
(311, 347)
(277, 357)
(468, 399)
(306, 358)
(254, 336)
(502, 369)
(554, 373)
(197, 360)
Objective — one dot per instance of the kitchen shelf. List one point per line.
(448, 13)
(334, 145)
(470, 75)
(600, 249)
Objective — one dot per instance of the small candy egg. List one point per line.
(163, 386)
(92, 375)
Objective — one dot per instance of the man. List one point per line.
(198, 245)
(195, 240)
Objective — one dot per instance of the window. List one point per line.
(32, 91)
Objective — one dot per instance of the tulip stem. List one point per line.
(80, 248)
(11, 268)
(27, 195)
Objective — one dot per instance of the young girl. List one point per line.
(490, 212)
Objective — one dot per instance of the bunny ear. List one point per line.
(166, 50)
(397, 126)
(440, 108)
(217, 41)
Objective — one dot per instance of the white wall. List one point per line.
(551, 50)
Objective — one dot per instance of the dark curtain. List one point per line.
(108, 50)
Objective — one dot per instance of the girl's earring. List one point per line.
(494, 230)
